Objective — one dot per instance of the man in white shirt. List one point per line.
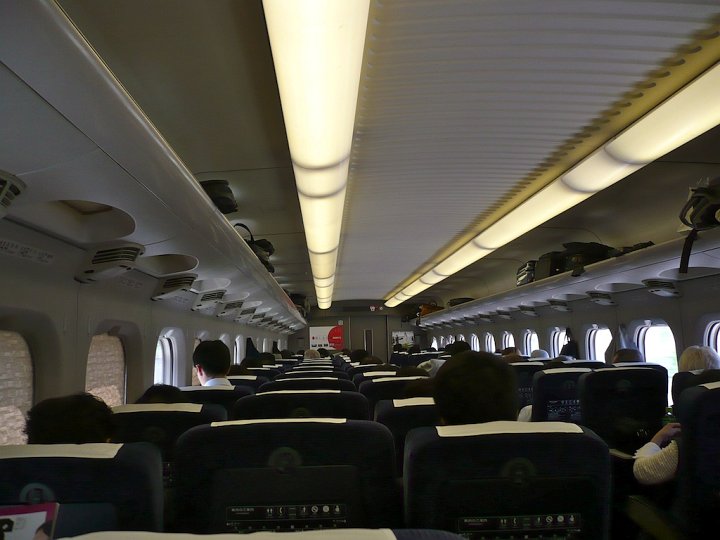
(212, 362)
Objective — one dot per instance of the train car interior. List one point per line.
(347, 196)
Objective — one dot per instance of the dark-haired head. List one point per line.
(267, 358)
(162, 393)
(358, 354)
(474, 387)
(213, 357)
(76, 419)
(457, 347)
(627, 355)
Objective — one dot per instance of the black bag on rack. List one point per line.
(261, 247)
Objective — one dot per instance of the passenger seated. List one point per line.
(286, 353)
(357, 355)
(239, 369)
(539, 354)
(474, 387)
(414, 349)
(627, 355)
(76, 419)
(371, 361)
(251, 362)
(311, 354)
(657, 461)
(212, 362)
(323, 352)
(433, 364)
(162, 393)
(267, 358)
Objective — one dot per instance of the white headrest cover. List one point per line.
(412, 402)
(281, 421)
(628, 368)
(328, 534)
(306, 371)
(387, 379)
(88, 450)
(379, 373)
(527, 363)
(213, 388)
(159, 407)
(712, 385)
(567, 370)
(242, 378)
(308, 379)
(506, 426)
(300, 392)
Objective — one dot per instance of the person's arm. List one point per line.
(655, 464)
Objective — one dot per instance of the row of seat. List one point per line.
(292, 474)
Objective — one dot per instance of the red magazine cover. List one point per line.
(28, 522)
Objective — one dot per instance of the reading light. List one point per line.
(416, 287)
(598, 171)
(324, 282)
(322, 218)
(679, 119)
(321, 182)
(431, 278)
(463, 257)
(323, 264)
(317, 48)
(547, 203)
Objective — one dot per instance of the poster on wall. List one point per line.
(406, 339)
(328, 337)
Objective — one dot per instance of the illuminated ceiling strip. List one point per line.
(317, 48)
(685, 115)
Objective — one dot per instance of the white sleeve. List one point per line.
(525, 414)
(655, 465)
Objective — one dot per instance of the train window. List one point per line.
(489, 342)
(193, 374)
(442, 342)
(16, 374)
(105, 374)
(531, 341)
(712, 336)
(657, 343)
(164, 361)
(507, 340)
(557, 340)
(434, 343)
(474, 342)
(598, 340)
(266, 345)
(450, 339)
(239, 350)
(460, 337)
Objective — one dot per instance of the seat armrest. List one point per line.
(651, 519)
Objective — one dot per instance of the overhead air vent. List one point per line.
(485, 318)
(560, 305)
(230, 308)
(668, 289)
(109, 262)
(208, 299)
(529, 311)
(505, 315)
(172, 286)
(601, 298)
(10, 187)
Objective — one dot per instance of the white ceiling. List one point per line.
(461, 102)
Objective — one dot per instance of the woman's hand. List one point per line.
(666, 434)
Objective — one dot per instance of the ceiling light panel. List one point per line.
(460, 101)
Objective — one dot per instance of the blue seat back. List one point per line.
(508, 480)
(99, 486)
(321, 472)
(555, 395)
(308, 383)
(303, 404)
